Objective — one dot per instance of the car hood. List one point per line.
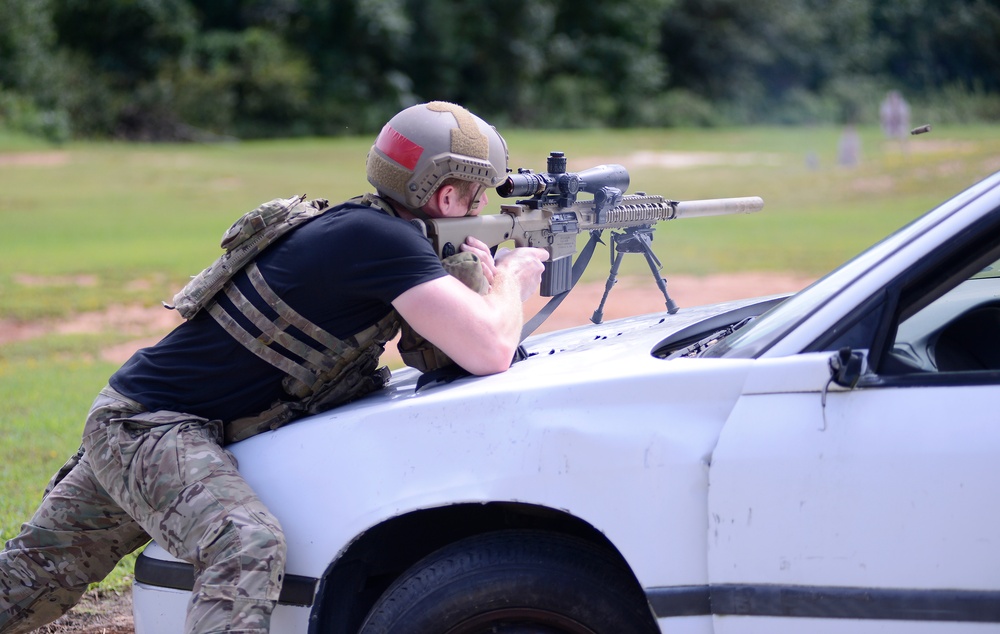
(589, 348)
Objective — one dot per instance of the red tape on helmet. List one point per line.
(398, 147)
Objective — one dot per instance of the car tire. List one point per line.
(514, 582)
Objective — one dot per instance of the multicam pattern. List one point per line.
(170, 472)
(414, 349)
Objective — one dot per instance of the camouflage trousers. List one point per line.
(139, 475)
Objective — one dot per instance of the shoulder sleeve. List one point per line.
(391, 258)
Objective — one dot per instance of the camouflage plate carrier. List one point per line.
(317, 377)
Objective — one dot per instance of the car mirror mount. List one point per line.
(845, 371)
(845, 367)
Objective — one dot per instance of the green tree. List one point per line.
(30, 68)
(544, 62)
(934, 44)
(758, 55)
(115, 50)
(128, 39)
(247, 83)
(610, 50)
(27, 46)
(175, 69)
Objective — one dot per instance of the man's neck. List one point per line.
(405, 212)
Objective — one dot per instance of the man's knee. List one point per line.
(264, 544)
(247, 550)
(241, 564)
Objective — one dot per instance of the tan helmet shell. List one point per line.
(425, 144)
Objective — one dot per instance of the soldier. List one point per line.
(298, 330)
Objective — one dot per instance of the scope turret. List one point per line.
(561, 186)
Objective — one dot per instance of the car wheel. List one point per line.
(513, 582)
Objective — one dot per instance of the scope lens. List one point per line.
(521, 185)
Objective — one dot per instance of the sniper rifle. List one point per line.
(552, 216)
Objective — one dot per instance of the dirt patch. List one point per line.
(55, 280)
(35, 159)
(145, 324)
(97, 613)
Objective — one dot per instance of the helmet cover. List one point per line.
(425, 144)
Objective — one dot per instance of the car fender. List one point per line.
(553, 431)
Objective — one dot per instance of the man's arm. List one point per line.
(478, 332)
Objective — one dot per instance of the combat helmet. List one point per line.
(425, 144)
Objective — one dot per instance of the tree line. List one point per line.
(211, 69)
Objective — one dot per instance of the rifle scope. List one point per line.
(559, 183)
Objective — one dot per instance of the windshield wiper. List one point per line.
(700, 346)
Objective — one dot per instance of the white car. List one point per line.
(827, 466)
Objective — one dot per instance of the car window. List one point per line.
(991, 271)
(957, 332)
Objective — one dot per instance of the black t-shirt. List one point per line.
(341, 271)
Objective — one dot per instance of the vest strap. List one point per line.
(308, 328)
(258, 347)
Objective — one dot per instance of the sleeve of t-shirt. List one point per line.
(397, 258)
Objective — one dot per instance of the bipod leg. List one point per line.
(598, 315)
(655, 266)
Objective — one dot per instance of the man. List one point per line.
(297, 330)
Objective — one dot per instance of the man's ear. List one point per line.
(448, 199)
(445, 202)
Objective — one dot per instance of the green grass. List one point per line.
(45, 397)
(87, 227)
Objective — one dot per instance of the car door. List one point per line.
(870, 508)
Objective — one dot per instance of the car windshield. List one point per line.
(756, 337)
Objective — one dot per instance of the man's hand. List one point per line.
(479, 332)
(524, 264)
(482, 251)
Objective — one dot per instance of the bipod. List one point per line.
(633, 240)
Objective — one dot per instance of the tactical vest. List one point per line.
(321, 370)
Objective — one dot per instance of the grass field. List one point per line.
(88, 227)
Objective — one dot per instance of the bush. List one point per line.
(571, 101)
(681, 108)
(90, 97)
(856, 99)
(204, 98)
(247, 83)
(801, 107)
(957, 103)
(20, 114)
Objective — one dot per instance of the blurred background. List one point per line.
(220, 69)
